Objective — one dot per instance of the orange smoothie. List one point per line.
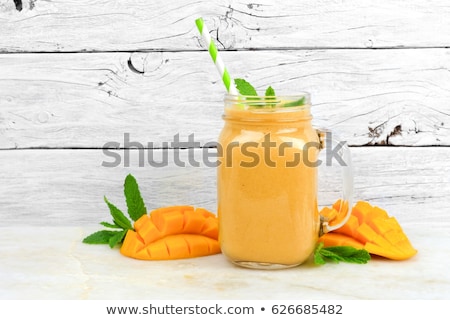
(267, 186)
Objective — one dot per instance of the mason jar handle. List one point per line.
(343, 156)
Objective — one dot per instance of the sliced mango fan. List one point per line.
(173, 233)
(370, 228)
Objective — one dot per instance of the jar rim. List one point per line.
(296, 101)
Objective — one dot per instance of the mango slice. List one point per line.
(175, 232)
(371, 228)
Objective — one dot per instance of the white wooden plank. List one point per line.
(169, 24)
(66, 187)
(395, 97)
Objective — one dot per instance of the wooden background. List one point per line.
(75, 75)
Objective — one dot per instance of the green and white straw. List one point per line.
(214, 53)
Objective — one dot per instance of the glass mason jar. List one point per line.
(267, 181)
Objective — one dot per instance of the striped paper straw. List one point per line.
(214, 53)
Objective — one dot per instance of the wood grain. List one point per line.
(101, 25)
(75, 75)
(66, 187)
(394, 97)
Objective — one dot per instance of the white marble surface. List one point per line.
(53, 263)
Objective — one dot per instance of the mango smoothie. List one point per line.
(267, 186)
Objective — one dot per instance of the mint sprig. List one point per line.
(270, 95)
(120, 224)
(246, 89)
(135, 203)
(297, 103)
(100, 237)
(119, 218)
(270, 92)
(340, 254)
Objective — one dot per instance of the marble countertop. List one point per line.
(53, 263)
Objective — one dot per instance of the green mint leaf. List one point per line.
(297, 103)
(270, 92)
(135, 203)
(318, 259)
(117, 238)
(110, 225)
(118, 216)
(330, 255)
(99, 237)
(349, 254)
(343, 251)
(270, 95)
(245, 88)
(319, 247)
(340, 253)
(361, 257)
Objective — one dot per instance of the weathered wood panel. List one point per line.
(66, 187)
(101, 25)
(395, 97)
